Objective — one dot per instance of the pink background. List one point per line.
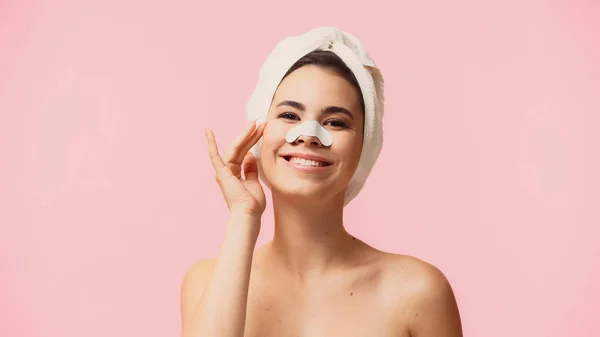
(489, 168)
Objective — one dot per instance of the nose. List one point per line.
(311, 141)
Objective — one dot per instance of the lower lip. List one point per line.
(306, 168)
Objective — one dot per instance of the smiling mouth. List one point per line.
(306, 162)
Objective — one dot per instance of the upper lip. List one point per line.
(307, 157)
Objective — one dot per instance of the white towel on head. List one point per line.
(352, 52)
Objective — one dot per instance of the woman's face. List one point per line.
(312, 93)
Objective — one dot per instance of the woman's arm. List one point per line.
(214, 293)
(219, 308)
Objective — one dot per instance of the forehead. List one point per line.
(312, 85)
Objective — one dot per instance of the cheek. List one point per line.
(349, 144)
(273, 136)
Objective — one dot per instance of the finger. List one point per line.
(238, 142)
(250, 167)
(251, 142)
(240, 139)
(235, 169)
(221, 170)
(213, 150)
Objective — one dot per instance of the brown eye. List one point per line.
(288, 115)
(336, 123)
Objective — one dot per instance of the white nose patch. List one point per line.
(309, 128)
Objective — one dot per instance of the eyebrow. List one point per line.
(327, 110)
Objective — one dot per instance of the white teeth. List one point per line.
(306, 162)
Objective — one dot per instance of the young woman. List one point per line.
(313, 278)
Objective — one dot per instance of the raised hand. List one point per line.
(242, 194)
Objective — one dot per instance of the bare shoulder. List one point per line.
(199, 269)
(414, 272)
(193, 284)
(423, 295)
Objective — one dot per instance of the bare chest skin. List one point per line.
(352, 303)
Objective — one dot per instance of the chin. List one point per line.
(305, 190)
(302, 189)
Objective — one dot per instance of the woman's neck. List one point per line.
(309, 238)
